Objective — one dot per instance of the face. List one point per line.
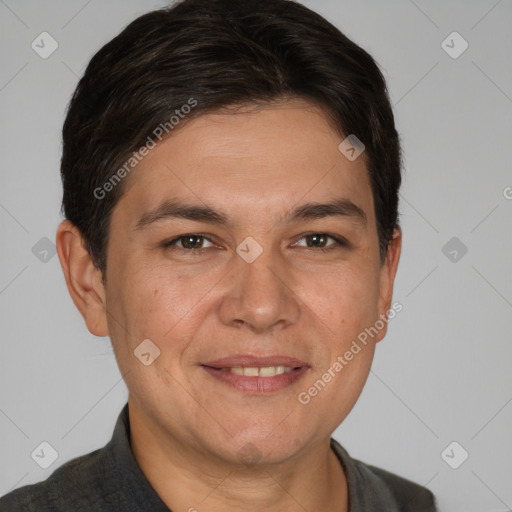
(220, 255)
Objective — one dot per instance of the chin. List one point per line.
(253, 446)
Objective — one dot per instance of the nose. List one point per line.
(260, 295)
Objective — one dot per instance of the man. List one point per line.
(231, 173)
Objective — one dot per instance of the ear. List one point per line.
(387, 279)
(83, 279)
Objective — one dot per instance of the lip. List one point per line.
(249, 361)
(256, 385)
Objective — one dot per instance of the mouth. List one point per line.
(257, 375)
(254, 371)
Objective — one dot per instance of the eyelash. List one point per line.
(340, 242)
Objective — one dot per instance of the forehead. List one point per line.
(261, 160)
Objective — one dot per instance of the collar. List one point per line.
(365, 488)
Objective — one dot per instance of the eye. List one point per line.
(189, 241)
(319, 240)
(195, 242)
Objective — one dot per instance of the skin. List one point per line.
(187, 428)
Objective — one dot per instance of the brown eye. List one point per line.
(319, 241)
(189, 241)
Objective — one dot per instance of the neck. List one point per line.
(188, 479)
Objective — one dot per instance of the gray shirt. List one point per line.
(110, 479)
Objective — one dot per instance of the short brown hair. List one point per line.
(219, 53)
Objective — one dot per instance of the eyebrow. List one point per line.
(170, 209)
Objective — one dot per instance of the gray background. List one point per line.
(444, 371)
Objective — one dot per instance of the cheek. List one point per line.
(156, 307)
(346, 301)
(162, 306)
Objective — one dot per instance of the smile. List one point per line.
(254, 380)
(265, 371)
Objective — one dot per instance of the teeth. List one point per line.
(265, 371)
(270, 371)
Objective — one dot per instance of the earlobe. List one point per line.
(83, 279)
(387, 278)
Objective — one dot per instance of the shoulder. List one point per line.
(71, 485)
(375, 489)
(409, 496)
